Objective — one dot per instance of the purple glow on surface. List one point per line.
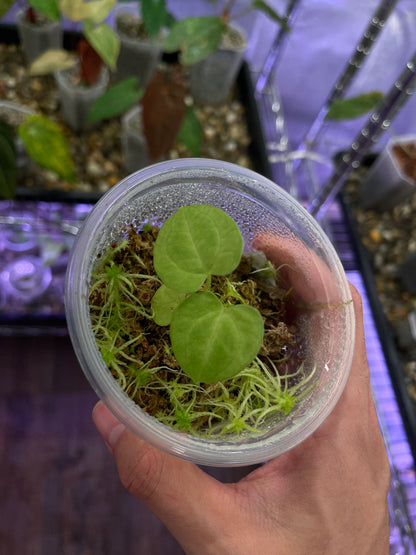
(26, 278)
(402, 496)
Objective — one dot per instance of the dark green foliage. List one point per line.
(350, 108)
(116, 100)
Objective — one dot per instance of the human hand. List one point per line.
(327, 495)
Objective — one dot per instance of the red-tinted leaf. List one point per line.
(90, 62)
(163, 110)
(30, 15)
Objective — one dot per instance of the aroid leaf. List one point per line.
(354, 107)
(213, 342)
(52, 60)
(104, 41)
(90, 62)
(49, 8)
(78, 10)
(163, 111)
(194, 243)
(155, 15)
(46, 144)
(195, 38)
(116, 100)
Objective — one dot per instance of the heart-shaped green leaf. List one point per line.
(194, 243)
(164, 302)
(46, 144)
(213, 342)
(195, 37)
(116, 100)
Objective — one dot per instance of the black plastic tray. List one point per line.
(385, 332)
(244, 90)
(34, 322)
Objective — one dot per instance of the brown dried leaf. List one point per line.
(163, 110)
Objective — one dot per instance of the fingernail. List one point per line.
(107, 424)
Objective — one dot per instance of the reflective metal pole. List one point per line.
(361, 51)
(378, 122)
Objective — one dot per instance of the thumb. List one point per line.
(178, 492)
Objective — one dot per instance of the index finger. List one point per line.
(302, 268)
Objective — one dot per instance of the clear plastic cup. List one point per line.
(269, 219)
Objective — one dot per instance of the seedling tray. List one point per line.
(46, 313)
(244, 92)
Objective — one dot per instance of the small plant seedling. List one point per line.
(197, 37)
(195, 331)
(99, 44)
(212, 341)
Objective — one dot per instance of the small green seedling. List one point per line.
(171, 351)
(211, 340)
